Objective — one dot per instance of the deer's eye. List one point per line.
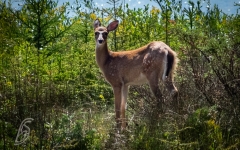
(105, 33)
(96, 33)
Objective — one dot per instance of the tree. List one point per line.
(43, 22)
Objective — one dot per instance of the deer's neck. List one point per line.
(102, 55)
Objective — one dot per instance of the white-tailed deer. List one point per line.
(146, 64)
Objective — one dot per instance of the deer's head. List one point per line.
(101, 32)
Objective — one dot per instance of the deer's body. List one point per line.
(147, 64)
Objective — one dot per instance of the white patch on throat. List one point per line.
(98, 45)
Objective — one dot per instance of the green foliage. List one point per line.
(201, 127)
(42, 22)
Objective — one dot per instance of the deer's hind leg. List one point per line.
(153, 81)
(169, 83)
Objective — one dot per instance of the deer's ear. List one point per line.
(96, 24)
(113, 25)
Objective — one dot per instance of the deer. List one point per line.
(148, 64)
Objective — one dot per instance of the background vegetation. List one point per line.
(48, 73)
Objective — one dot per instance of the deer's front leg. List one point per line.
(124, 106)
(118, 100)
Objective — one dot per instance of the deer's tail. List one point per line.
(172, 62)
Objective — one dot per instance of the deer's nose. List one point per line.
(100, 41)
